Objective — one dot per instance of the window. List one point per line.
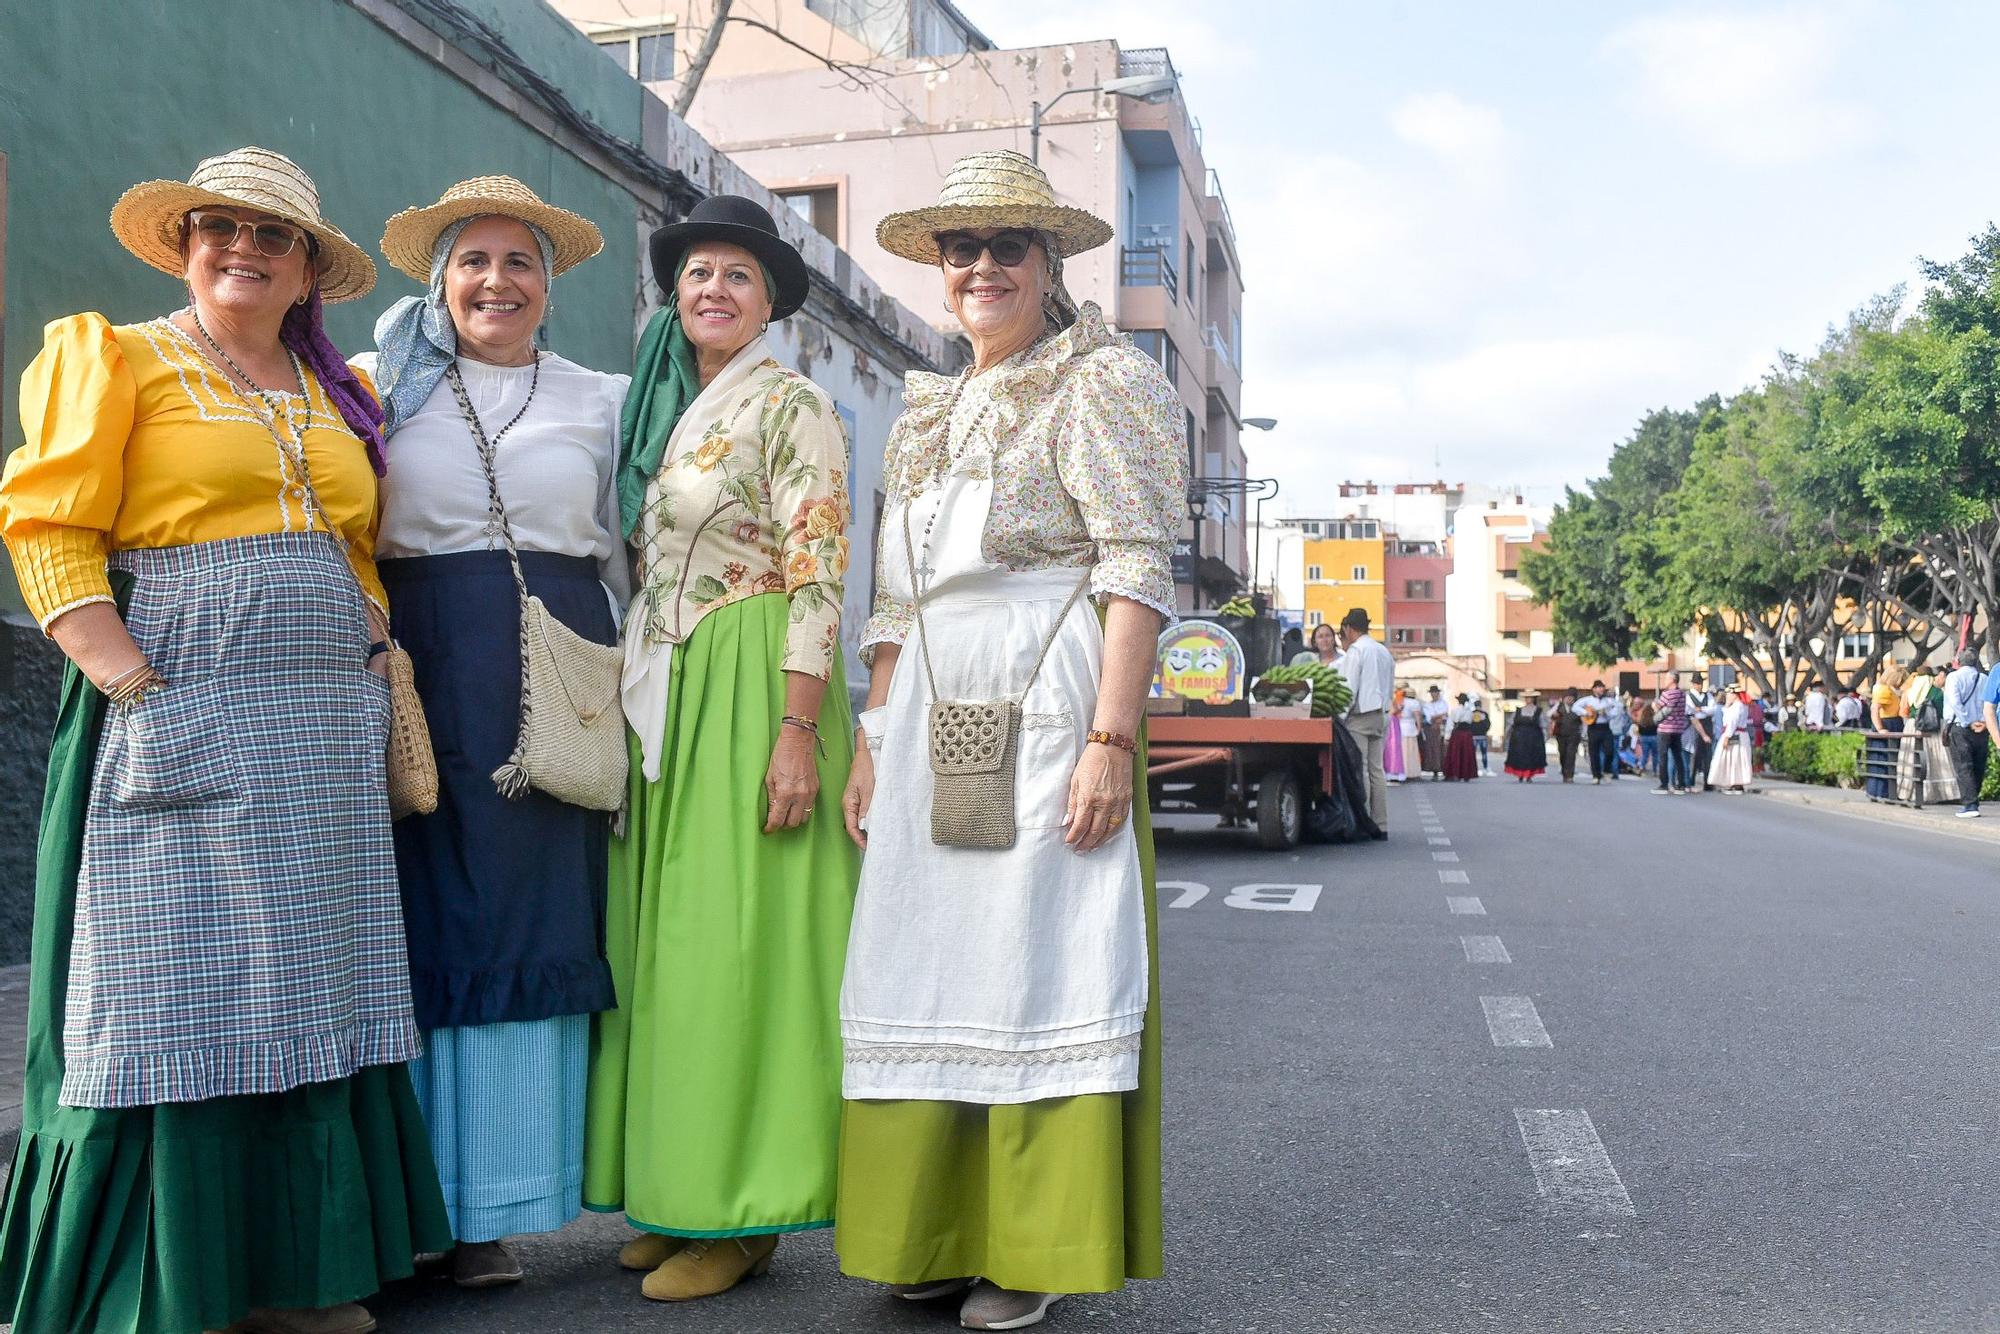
(1856, 644)
(647, 55)
(1189, 269)
(1312, 572)
(1417, 590)
(1160, 348)
(1312, 619)
(1561, 646)
(1510, 634)
(819, 205)
(1360, 574)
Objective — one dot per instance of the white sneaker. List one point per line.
(1969, 815)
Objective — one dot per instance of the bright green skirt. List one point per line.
(1061, 1195)
(181, 1217)
(715, 1084)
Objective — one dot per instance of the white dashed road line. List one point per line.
(1465, 907)
(1444, 856)
(1573, 1173)
(1438, 842)
(1454, 878)
(1485, 949)
(1513, 1022)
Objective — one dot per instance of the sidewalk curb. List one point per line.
(1824, 799)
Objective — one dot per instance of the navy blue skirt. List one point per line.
(503, 900)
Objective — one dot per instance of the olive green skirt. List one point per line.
(1061, 1195)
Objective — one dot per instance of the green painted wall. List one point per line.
(98, 94)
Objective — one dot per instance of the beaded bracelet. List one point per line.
(1124, 743)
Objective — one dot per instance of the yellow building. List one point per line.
(1343, 570)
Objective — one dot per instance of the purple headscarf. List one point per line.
(304, 332)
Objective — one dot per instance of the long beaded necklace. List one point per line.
(921, 575)
(488, 451)
(291, 441)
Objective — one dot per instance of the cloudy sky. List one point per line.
(1481, 239)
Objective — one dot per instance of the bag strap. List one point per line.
(496, 508)
(923, 640)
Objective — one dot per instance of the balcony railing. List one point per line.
(1141, 60)
(1215, 193)
(1212, 337)
(1149, 267)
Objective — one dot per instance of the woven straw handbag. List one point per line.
(973, 743)
(572, 739)
(413, 772)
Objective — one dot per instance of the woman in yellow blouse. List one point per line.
(714, 1108)
(1889, 713)
(218, 1112)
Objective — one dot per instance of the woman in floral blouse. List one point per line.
(715, 1085)
(1000, 1017)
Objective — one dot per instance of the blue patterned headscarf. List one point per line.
(415, 340)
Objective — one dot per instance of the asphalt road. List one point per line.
(1767, 1100)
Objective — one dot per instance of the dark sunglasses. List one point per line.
(1009, 249)
(218, 231)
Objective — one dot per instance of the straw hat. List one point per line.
(992, 189)
(409, 236)
(147, 218)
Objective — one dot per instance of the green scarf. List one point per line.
(665, 383)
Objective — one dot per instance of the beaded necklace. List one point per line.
(291, 441)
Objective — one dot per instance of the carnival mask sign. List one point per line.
(1199, 660)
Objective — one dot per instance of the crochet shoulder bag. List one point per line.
(973, 742)
(572, 739)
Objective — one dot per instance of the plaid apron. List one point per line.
(238, 927)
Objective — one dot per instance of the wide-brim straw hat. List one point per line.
(1000, 188)
(147, 218)
(409, 237)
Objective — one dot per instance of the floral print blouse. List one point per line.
(1089, 455)
(750, 499)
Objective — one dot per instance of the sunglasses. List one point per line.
(218, 231)
(1009, 249)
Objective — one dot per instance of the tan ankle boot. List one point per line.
(648, 1251)
(707, 1266)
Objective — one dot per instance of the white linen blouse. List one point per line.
(557, 467)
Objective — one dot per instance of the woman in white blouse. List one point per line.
(1730, 770)
(503, 899)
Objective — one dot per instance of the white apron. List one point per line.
(989, 976)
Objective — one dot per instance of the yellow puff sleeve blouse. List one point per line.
(133, 439)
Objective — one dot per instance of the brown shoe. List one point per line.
(931, 1291)
(346, 1318)
(707, 1266)
(484, 1264)
(648, 1251)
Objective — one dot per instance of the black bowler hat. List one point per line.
(739, 221)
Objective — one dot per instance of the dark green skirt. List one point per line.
(180, 1217)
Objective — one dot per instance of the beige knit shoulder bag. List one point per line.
(973, 742)
(572, 739)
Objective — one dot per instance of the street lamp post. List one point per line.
(1200, 489)
(1140, 87)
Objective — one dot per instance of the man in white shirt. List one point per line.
(1371, 673)
(1818, 711)
(1965, 734)
(1847, 711)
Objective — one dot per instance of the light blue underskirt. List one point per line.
(505, 1107)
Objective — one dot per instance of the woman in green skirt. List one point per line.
(1001, 1011)
(714, 1107)
(219, 1127)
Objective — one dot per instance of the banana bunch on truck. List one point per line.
(1288, 685)
(1237, 606)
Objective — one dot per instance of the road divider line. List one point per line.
(1454, 878)
(1513, 1022)
(1444, 856)
(1467, 906)
(1439, 842)
(1573, 1173)
(1485, 949)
